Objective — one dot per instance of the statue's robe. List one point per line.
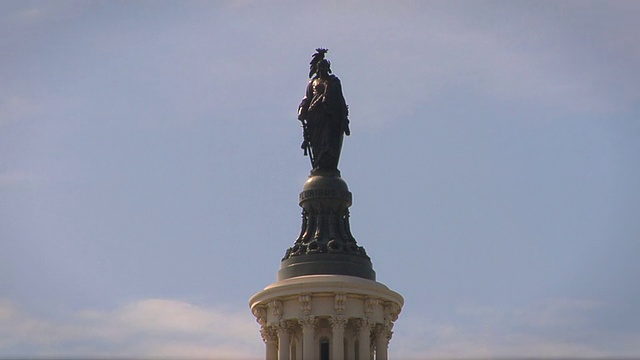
(326, 113)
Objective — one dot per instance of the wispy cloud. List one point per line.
(557, 328)
(168, 328)
(145, 328)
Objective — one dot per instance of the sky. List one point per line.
(150, 168)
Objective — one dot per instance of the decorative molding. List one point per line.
(263, 333)
(276, 307)
(389, 325)
(369, 306)
(261, 315)
(305, 303)
(325, 219)
(340, 302)
(391, 311)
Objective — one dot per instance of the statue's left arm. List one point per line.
(339, 104)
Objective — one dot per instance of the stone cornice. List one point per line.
(329, 284)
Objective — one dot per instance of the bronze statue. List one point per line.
(325, 244)
(324, 116)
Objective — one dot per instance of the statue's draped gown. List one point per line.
(326, 115)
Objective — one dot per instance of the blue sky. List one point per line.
(150, 168)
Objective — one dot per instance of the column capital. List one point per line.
(286, 326)
(383, 332)
(308, 321)
(381, 342)
(362, 324)
(338, 322)
(269, 334)
(284, 340)
(282, 325)
(308, 331)
(364, 335)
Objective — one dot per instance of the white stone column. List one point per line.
(284, 342)
(270, 337)
(338, 324)
(299, 351)
(382, 343)
(308, 337)
(351, 349)
(364, 338)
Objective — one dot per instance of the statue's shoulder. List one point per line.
(334, 81)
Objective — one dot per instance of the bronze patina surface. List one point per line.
(324, 115)
(325, 244)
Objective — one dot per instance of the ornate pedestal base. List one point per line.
(326, 317)
(325, 244)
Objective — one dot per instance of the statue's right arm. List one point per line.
(303, 107)
(304, 104)
(302, 112)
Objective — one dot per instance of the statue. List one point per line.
(324, 116)
(325, 244)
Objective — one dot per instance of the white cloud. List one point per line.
(557, 328)
(145, 328)
(169, 328)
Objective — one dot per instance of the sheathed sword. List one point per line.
(306, 145)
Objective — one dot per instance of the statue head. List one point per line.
(324, 67)
(315, 64)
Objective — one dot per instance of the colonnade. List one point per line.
(350, 339)
(326, 317)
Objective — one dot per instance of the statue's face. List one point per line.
(323, 67)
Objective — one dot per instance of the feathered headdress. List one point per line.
(317, 57)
